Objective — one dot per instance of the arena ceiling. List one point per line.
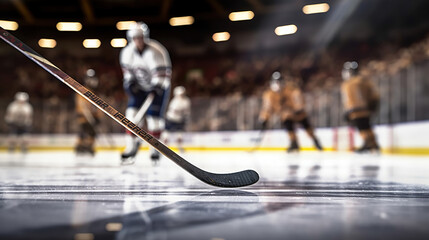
(368, 20)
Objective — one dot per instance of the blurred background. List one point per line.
(224, 73)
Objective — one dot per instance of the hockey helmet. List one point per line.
(91, 80)
(179, 90)
(349, 69)
(90, 73)
(275, 81)
(139, 29)
(21, 96)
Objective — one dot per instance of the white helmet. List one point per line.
(139, 29)
(21, 96)
(90, 73)
(349, 69)
(91, 80)
(179, 90)
(275, 81)
(276, 76)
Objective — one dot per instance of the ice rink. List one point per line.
(310, 195)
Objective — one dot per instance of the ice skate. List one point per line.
(11, 148)
(154, 156)
(79, 150)
(83, 150)
(364, 149)
(293, 147)
(24, 149)
(128, 160)
(128, 157)
(90, 151)
(317, 145)
(368, 148)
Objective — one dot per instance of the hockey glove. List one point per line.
(346, 116)
(263, 124)
(373, 105)
(134, 88)
(157, 90)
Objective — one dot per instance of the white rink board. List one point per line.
(408, 135)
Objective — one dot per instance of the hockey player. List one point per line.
(294, 113)
(287, 101)
(360, 99)
(178, 114)
(146, 68)
(271, 100)
(19, 117)
(88, 117)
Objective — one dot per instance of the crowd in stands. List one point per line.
(235, 75)
(215, 76)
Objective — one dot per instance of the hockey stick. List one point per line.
(237, 179)
(91, 120)
(143, 109)
(258, 141)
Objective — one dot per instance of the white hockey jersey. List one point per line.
(151, 67)
(179, 109)
(19, 113)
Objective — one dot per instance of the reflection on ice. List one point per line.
(56, 195)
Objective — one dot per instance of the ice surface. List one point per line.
(56, 195)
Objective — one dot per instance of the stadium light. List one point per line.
(241, 16)
(181, 21)
(69, 26)
(285, 30)
(47, 43)
(221, 36)
(118, 42)
(315, 8)
(91, 43)
(114, 227)
(125, 25)
(9, 25)
(83, 236)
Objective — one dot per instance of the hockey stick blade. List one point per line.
(238, 179)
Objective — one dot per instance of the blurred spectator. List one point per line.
(19, 118)
(214, 76)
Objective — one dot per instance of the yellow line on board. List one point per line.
(222, 149)
(394, 151)
(410, 151)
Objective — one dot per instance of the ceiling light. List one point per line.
(221, 36)
(84, 236)
(47, 43)
(118, 42)
(181, 21)
(285, 30)
(91, 43)
(125, 25)
(315, 8)
(9, 25)
(114, 227)
(69, 26)
(241, 16)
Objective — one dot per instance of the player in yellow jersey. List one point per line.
(360, 100)
(271, 102)
(294, 113)
(88, 117)
(288, 102)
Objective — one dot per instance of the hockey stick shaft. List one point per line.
(97, 129)
(238, 179)
(143, 109)
(259, 140)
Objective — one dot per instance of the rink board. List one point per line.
(408, 138)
